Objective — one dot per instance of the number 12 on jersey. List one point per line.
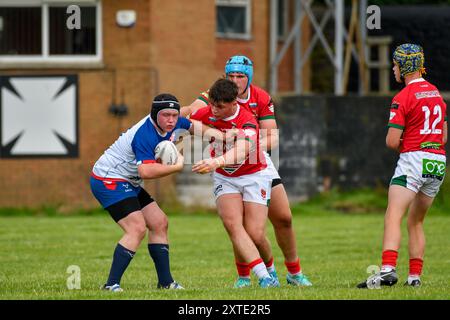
(426, 125)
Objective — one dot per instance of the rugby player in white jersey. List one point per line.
(117, 183)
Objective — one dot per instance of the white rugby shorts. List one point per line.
(255, 187)
(420, 171)
(271, 170)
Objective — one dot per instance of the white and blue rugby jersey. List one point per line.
(132, 148)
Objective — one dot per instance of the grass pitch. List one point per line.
(335, 251)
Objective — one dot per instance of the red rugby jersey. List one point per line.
(244, 120)
(420, 112)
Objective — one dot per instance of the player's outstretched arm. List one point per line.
(194, 106)
(158, 170)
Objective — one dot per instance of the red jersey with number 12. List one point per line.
(244, 120)
(420, 112)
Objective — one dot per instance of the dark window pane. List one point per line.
(20, 31)
(231, 19)
(281, 16)
(72, 42)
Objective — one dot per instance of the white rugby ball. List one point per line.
(167, 152)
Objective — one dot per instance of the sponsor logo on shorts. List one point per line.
(218, 189)
(263, 194)
(433, 169)
(127, 187)
(414, 185)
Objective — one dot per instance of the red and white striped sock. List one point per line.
(293, 267)
(270, 265)
(259, 268)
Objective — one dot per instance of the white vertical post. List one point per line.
(273, 46)
(363, 29)
(298, 75)
(99, 50)
(362, 21)
(339, 47)
(45, 31)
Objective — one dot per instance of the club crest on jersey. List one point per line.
(392, 115)
(253, 104)
(249, 132)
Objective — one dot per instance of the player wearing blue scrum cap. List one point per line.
(240, 65)
(239, 69)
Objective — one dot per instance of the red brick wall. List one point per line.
(65, 182)
(172, 48)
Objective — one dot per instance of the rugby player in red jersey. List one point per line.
(239, 69)
(418, 130)
(242, 183)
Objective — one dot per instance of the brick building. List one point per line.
(57, 82)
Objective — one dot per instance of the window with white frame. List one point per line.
(38, 30)
(233, 19)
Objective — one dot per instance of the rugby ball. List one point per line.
(167, 152)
